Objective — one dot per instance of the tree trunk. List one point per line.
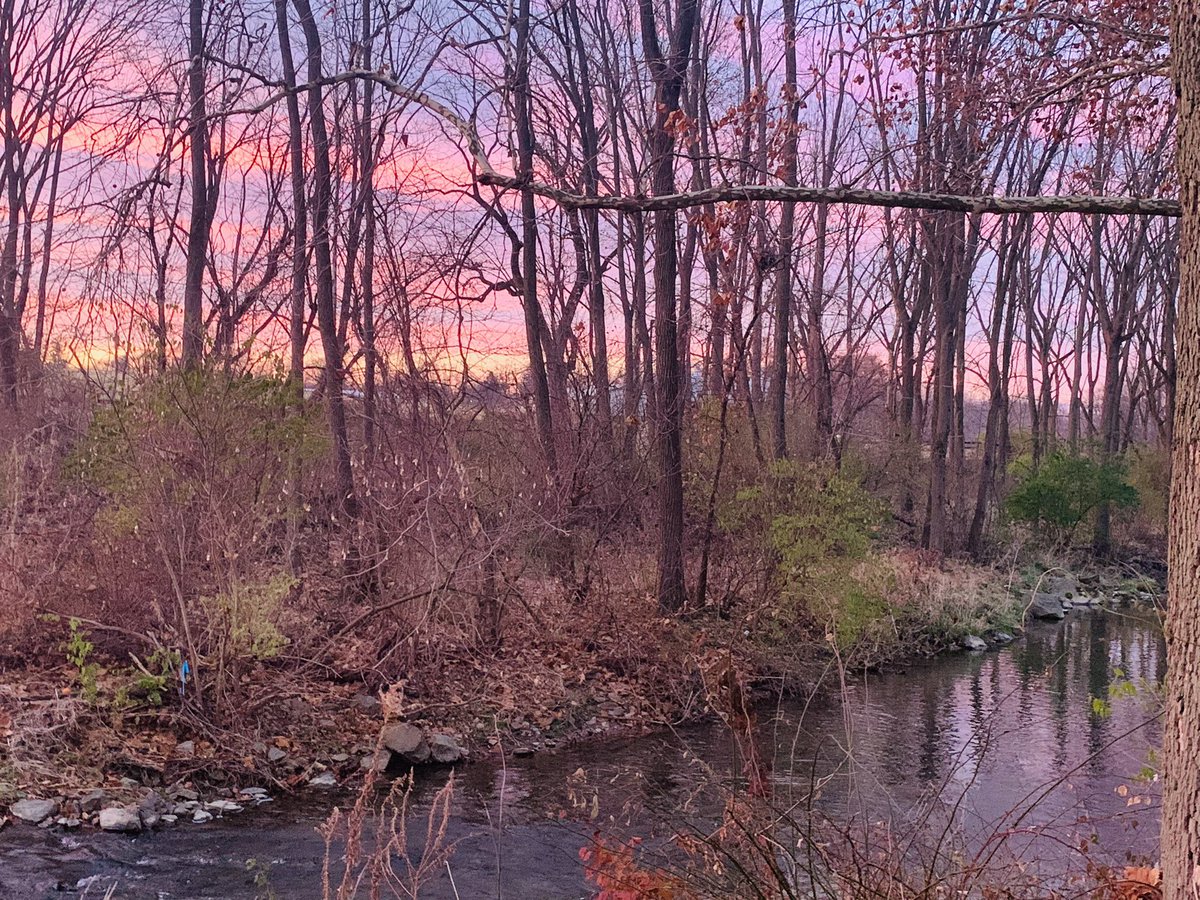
(669, 75)
(787, 224)
(1180, 828)
(367, 176)
(347, 501)
(201, 218)
(529, 234)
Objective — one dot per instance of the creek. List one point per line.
(967, 738)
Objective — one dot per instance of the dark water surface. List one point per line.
(973, 735)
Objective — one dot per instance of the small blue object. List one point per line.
(184, 670)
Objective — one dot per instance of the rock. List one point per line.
(223, 806)
(1046, 606)
(1000, 637)
(69, 822)
(406, 741)
(200, 816)
(973, 643)
(1061, 586)
(185, 748)
(120, 818)
(1067, 604)
(524, 751)
(151, 809)
(92, 801)
(153, 802)
(367, 703)
(169, 819)
(324, 780)
(254, 793)
(276, 755)
(340, 757)
(445, 749)
(33, 811)
(185, 808)
(1085, 600)
(375, 762)
(130, 783)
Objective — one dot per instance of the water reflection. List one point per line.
(987, 734)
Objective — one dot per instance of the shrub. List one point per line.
(1150, 475)
(193, 474)
(811, 527)
(1065, 489)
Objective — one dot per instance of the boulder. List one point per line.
(1060, 586)
(973, 643)
(445, 750)
(407, 742)
(1046, 606)
(120, 818)
(34, 812)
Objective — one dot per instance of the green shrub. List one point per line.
(78, 649)
(810, 528)
(1065, 489)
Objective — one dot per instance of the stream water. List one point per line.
(976, 735)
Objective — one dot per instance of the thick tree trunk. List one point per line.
(669, 75)
(1181, 735)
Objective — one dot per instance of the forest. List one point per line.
(393, 384)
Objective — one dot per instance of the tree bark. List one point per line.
(1180, 828)
(522, 102)
(347, 501)
(201, 218)
(787, 227)
(669, 75)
